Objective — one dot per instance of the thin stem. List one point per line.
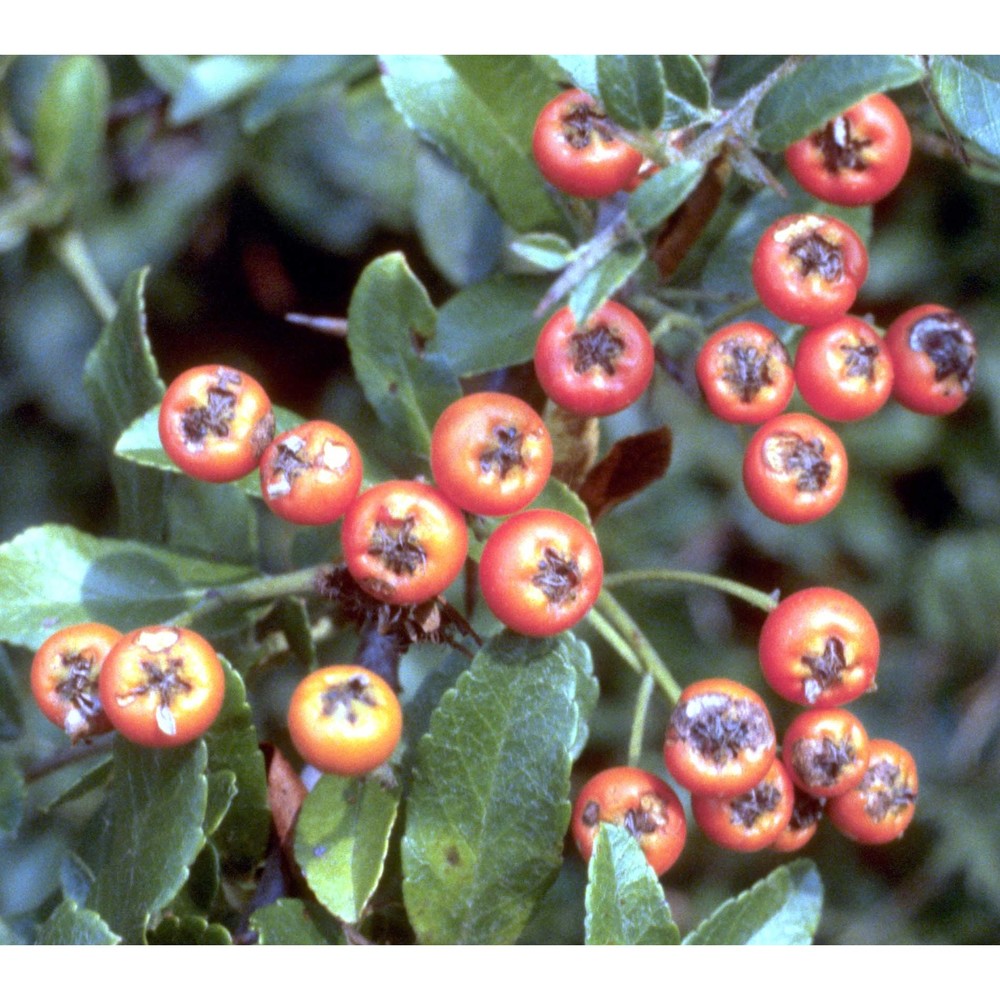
(639, 719)
(647, 656)
(333, 326)
(73, 253)
(256, 591)
(606, 630)
(733, 312)
(758, 598)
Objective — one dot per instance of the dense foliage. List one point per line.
(371, 238)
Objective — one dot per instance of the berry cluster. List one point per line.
(807, 270)
(819, 648)
(405, 542)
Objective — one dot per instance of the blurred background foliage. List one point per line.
(255, 187)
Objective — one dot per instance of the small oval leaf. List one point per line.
(70, 121)
(391, 327)
(631, 89)
(341, 841)
(968, 89)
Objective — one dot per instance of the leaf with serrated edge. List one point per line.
(625, 902)
(233, 746)
(72, 924)
(391, 325)
(341, 840)
(463, 106)
(152, 833)
(489, 804)
(122, 381)
(53, 575)
(968, 89)
(783, 908)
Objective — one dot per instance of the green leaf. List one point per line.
(558, 496)
(968, 89)
(70, 122)
(71, 924)
(492, 324)
(631, 89)
(201, 890)
(391, 325)
(298, 78)
(287, 921)
(602, 281)
(456, 224)
(152, 833)
(292, 617)
(821, 88)
(168, 72)
(189, 929)
(489, 803)
(84, 777)
(539, 253)
(221, 792)
(208, 518)
(122, 380)
(233, 746)
(463, 105)
(783, 908)
(212, 82)
(53, 575)
(625, 901)
(663, 193)
(341, 840)
(688, 92)
(11, 795)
